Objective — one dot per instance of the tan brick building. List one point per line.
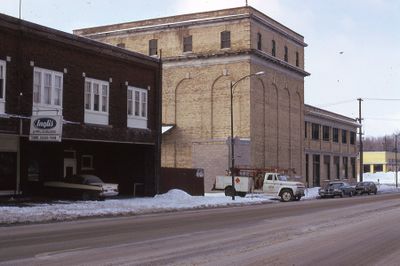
(330, 147)
(202, 54)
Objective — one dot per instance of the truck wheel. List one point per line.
(241, 194)
(286, 195)
(229, 191)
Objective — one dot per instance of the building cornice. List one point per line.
(234, 54)
(166, 23)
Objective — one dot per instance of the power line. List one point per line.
(381, 99)
(382, 119)
(337, 103)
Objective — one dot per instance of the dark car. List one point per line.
(366, 187)
(336, 188)
(85, 187)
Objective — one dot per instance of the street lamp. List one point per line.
(233, 84)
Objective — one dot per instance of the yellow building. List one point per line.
(380, 161)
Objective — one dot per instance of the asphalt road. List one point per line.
(350, 231)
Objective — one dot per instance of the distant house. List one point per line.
(104, 100)
(380, 161)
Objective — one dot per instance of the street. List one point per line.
(360, 230)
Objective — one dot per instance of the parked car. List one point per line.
(85, 187)
(366, 187)
(337, 188)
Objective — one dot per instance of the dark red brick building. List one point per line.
(108, 98)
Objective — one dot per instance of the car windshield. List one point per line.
(361, 184)
(91, 179)
(283, 178)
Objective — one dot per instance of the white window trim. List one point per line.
(93, 116)
(3, 99)
(41, 105)
(100, 83)
(141, 91)
(138, 121)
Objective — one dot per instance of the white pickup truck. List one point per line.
(271, 184)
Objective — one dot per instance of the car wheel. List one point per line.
(286, 195)
(229, 191)
(351, 194)
(86, 196)
(341, 194)
(297, 198)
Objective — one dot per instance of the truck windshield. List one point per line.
(283, 178)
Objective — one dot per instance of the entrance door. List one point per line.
(8, 171)
(69, 163)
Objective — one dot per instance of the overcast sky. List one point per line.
(353, 45)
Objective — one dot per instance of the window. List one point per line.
(225, 39)
(345, 166)
(47, 89)
(352, 138)
(335, 134)
(336, 161)
(187, 44)
(137, 107)
(367, 168)
(378, 168)
(273, 51)
(297, 59)
(259, 41)
(2, 86)
(353, 167)
(286, 54)
(344, 136)
(96, 101)
(325, 133)
(327, 164)
(153, 47)
(87, 162)
(121, 45)
(315, 131)
(305, 129)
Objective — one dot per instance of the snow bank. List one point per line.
(381, 177)
(67, 210)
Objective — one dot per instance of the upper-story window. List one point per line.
(2, 85)
(273, 50)
(225, 39)
(47, 90)
(335, 133)
(137, 107)
(259, 41)
(326, 133)
(344, 136)
(286, 54)
(187, 44)
(153, 47)
(96, 101)
(297, 59)
(315, 131)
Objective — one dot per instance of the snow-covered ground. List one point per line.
(172, 201)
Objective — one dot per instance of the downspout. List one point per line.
(159, 125)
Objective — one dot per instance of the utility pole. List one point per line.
(360, 136)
